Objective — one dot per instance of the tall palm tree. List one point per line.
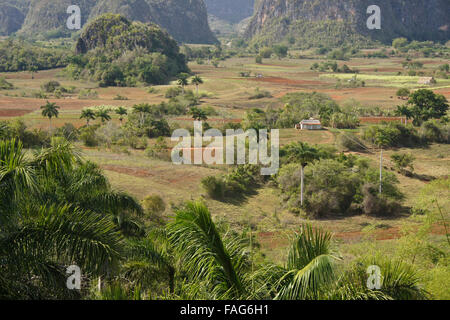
(398, 281)
(142, 109)
(38, 238)
(87, 114)
(103, 114)
(197, 80)
(152, 256)
(304, 154)
(198, 114)
(50, 110)
(309, 269)
(121, 111)
(210, 261)
(183, 80)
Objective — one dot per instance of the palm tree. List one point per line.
(309, 269)
(197, 80)
(103, 114)
(305, 154)
(198, 114)
(142, 109)
(39, 237)
(398, 281)
(152, 256)
(183, 80)
(219, 265)
(87, 114)
(50, 110)
(121, 111)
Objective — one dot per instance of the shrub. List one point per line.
(159, 150)
(260, 94)
(374, 205)
(403, 161)
(214, 187)
(265, 53)
(88, 136)
(154, 204)
(68, 131)
(5, 84)
(173, 92)
(119, 97)
(88, 94)
(51, 86)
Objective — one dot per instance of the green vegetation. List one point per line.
(424, 105)
(108, 53)
(18, 55)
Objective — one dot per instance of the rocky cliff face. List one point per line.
(414, 19)
(185, 20)
(232, 11)
(11, 19)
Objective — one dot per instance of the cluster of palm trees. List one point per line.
(102, 113)
(51, 110)
(199, 260)
(183, 81)
(56, 210)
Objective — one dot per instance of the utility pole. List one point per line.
(381, 171)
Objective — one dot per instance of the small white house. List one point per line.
(426, 80)
(311, 124)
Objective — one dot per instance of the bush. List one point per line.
(214, 187)
(5, 84)
(154, 204)
(260, 94)
(159, 150)
(88, 136)
(374, 205)
(51, 86)
(335, 187)
(68, 131)
(173, 92)
(265, 53)
(88, 94)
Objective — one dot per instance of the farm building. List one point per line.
(311, 124)
(426, 80)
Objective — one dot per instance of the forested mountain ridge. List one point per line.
(185, 20)
(311, 21)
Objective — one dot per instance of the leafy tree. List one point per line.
(88, 115)
(197, 80)
(423, 105)
(50, 110)
(403, 93)
(280, 50)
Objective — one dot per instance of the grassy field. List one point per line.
(229, 94)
